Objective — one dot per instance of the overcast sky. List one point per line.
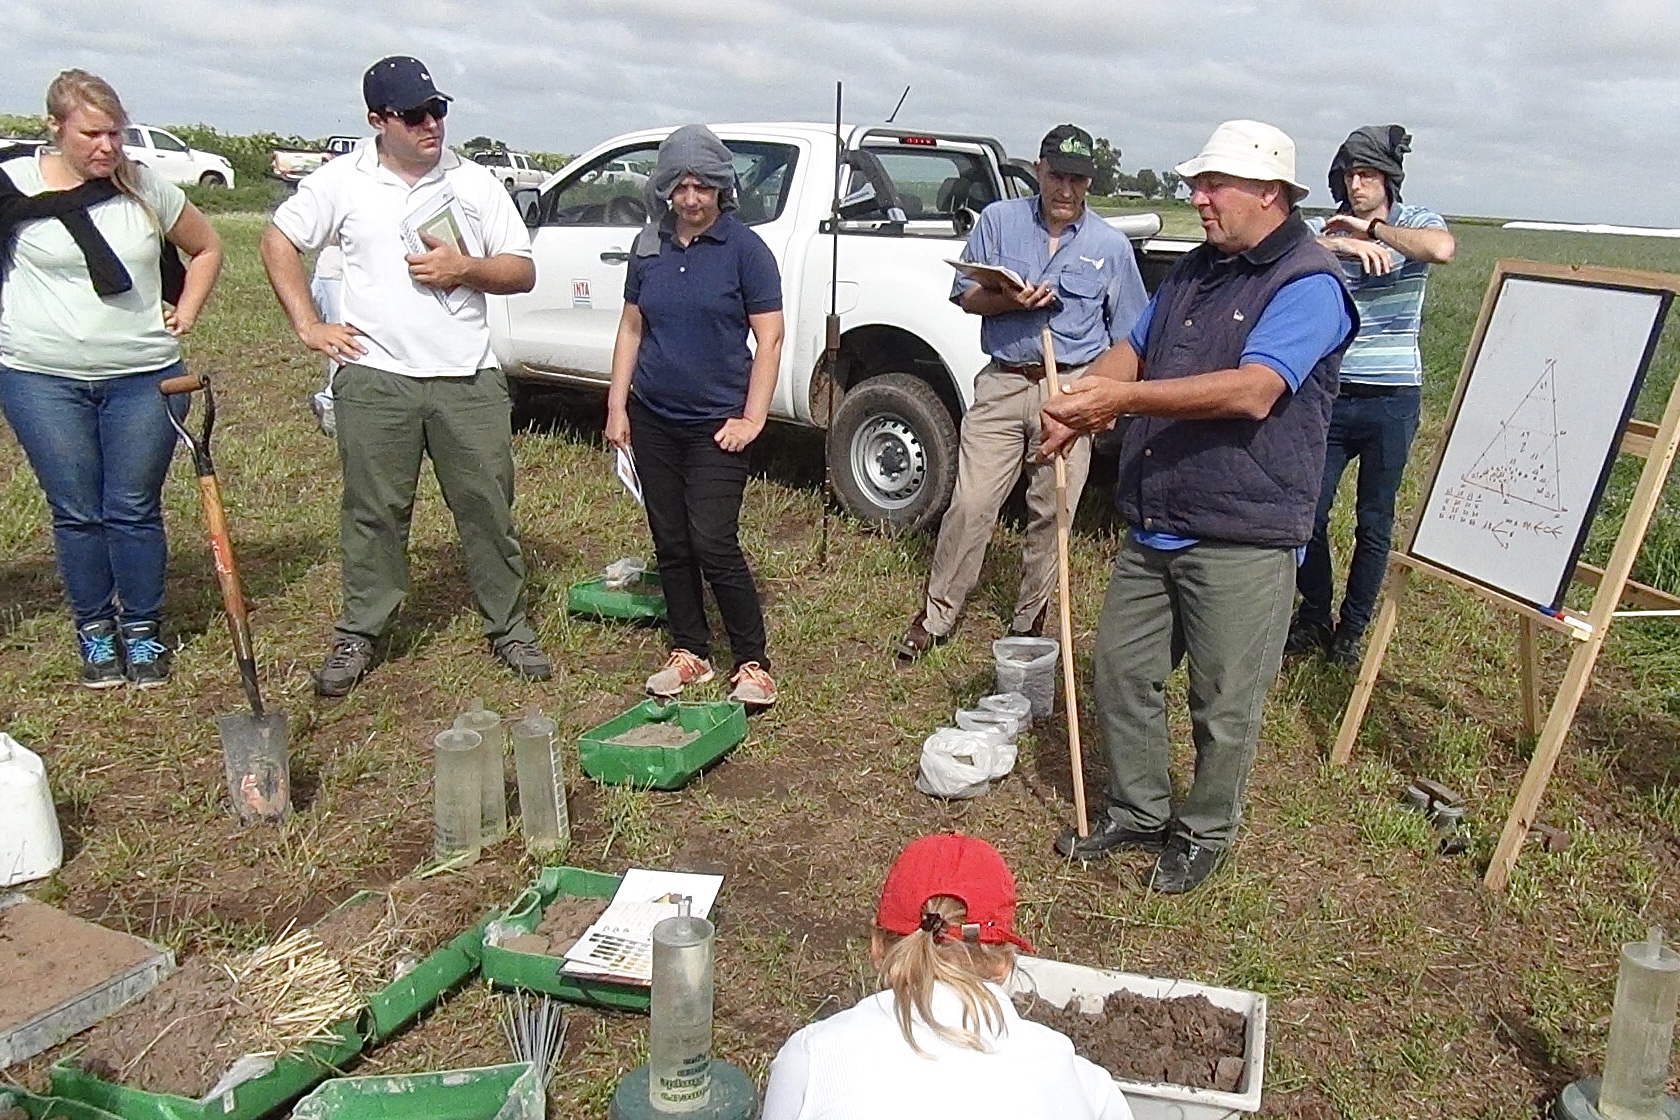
(1550, 109)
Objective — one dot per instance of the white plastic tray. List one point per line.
(1058, 982)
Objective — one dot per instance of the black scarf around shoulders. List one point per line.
(70, 207)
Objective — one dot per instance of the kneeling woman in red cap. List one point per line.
(943, 1038)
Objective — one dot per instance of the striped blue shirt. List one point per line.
(1390, 308)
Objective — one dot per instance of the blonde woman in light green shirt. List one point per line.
(85, 338)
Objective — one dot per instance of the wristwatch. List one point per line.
(1371, 229)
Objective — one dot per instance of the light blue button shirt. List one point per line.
(1093, 272)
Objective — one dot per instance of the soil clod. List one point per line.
(1182, 1041)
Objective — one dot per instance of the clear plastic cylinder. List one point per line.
(680, 1017)
(1641, 1031)
(456, 797)
(542, 787)
(492, 760)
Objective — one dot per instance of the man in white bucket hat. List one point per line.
(1230, 374)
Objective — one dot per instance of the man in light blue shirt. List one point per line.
(1385, 249)
(1081, 279)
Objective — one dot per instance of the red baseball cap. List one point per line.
(964, 867)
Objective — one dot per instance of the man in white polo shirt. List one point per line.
(418, 376)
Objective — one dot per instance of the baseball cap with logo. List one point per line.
(399, 83)
(963, 867)
(1248, 150)
(1068, 149)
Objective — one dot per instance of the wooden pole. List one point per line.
(1388, 615)
(1528, 654)
(1076, 758)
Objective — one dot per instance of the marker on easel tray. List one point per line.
(1568, 620)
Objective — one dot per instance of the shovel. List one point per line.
(254, 744)
(1064, 516)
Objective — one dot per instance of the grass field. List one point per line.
(1398, 987)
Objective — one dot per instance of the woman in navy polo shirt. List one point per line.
(688, 396)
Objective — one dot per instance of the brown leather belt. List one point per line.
(1034, 371)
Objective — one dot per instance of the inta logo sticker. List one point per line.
(580, 294)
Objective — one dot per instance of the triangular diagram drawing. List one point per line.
(1521, 462)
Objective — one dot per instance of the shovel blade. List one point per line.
(258, 765)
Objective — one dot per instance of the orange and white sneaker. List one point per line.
(681, 669)
(753, 686)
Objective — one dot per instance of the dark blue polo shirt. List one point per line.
(693, 364)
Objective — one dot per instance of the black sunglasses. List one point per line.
(414, 118)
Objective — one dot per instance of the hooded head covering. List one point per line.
(1377, 146)
(694, 150)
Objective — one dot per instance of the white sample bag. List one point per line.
(958, 763)
(30, 845)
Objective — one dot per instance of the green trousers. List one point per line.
(386, 422)
(1227, 607)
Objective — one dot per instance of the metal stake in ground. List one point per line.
(253, 746)
(1076, 761)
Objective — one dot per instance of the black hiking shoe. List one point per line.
(97, 642)
(1344, 649)
(526, 659)
(1307, 639)
(346, 662)
(1036, 630)
(1183, 864)
(147, 658)
(1106, 837)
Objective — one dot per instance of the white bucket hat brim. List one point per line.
(1248, 150)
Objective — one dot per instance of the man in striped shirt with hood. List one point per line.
(1385, 248)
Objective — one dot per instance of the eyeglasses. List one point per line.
(414, 118)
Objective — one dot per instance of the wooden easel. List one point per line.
(1656, 444)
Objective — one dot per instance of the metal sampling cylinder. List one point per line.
(456, 800)
(542, 788)
(492, 760)
(680, 1018)
(1641, 1031)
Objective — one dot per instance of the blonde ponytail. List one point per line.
(914, 964)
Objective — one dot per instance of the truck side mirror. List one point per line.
(527, 200)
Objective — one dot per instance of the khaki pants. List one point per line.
(386, 424)
(1000, 432)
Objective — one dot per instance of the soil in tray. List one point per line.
(1183, 1041)
(48, 957)
(655, 735)
(188, 1030)
(563, 922)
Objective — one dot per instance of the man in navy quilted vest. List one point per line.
(1230, 375)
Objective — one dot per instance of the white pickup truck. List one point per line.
(907, 356)
(166, 154)
(514, 169)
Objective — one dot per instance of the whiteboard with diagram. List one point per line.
(1529, 445)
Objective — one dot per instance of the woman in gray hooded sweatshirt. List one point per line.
(689, 396)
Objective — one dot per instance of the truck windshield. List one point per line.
(608, 192)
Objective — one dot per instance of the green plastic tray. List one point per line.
(721, 724)
(401, 1001)
(510, 1092)
(49, 1108)
(642, 600)
(294, 1074)
(536, 972)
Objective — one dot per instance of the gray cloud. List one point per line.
(1520, 107)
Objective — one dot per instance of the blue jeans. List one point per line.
(100, 450)
(1378, 431)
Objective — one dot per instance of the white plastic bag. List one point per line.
(982, 719)
(960, 764)
(622, 573)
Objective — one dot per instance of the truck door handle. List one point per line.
(615, 256)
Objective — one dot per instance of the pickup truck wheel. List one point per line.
(892, 452)
(211, 179)
(508, 183)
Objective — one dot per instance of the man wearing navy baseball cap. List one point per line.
(417, 374)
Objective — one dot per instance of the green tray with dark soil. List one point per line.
(526, 946)
(643, 600)
(661, 745)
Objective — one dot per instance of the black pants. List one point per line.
(693, 490)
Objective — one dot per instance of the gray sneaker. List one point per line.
(526, 659)
(345, 664)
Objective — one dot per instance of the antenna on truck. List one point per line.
(831, 336)
(894, 114)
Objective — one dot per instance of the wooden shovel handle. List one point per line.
(1064, 581)
(186, 383)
